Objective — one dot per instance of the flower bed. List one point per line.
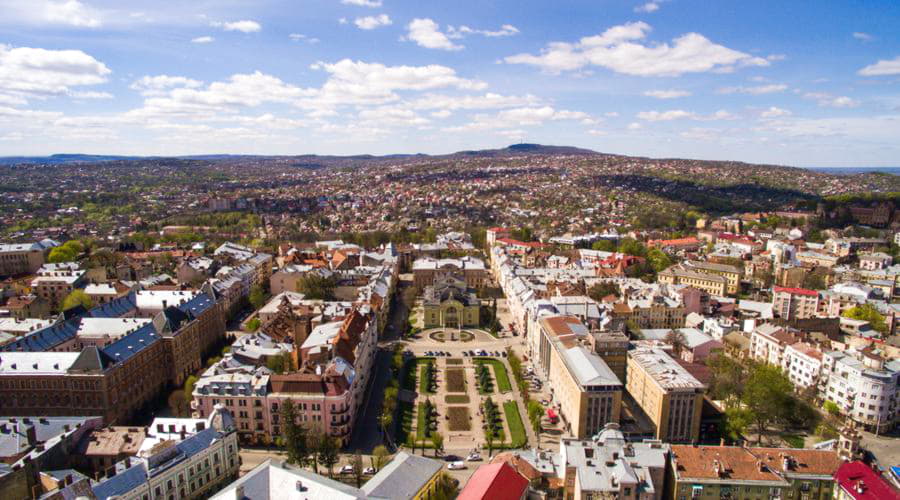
(459, 418)
(456, 380)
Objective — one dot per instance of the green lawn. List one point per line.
(514, 421)
(421, 423)
(424, 382)
(456, 399)
(500, 374)
(405, 417)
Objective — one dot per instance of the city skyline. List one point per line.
(798, 85)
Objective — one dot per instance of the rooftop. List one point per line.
(664, 370)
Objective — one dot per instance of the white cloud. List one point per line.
(634, 126)
(444, 113)
(827, 100)
(611, 114)
(701, 134)
(664, 116)
(518, 117)
(372, 22)
(35, 72)
(89, 94)
(597, 132)
(244, 26)
(619, 50)
(203, 39)
(647, 7)
(300, 37)
(363, 3)
(775, 112)
(667, 94)
(487, 101)
(61, 12)
(882, 67)
(505, 30)
(392, 116)
(427, 33)
(758, 90)
(865, 37)
(680, 114)
(160, 84)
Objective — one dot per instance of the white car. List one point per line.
(474, 457)
(347, 469)
(456, 465)
(369, 471)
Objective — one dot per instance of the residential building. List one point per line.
(21, 258)
(874, 261)
(610, 467)
(495, 482)
(102, 448)
(28, 306)
(857, 481)
(405, 477)
(695, 346)
(181, 466)
(54, 282)
(794, 303)
(612, 347)
(768, 342)
(802, 363)
(679, 275)
(751, 473)
(670, 396)
(864, 385)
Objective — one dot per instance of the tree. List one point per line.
(295, 436)
(67, 252)
(867, 312)
(316, 287)
(328, 453)
(357, 463)
(254, 324)
(736, 422)
(257, 296)
(658, 259)
(178, 404)
(77, 298)
(437, 440)
(489, 438)
(314, 442)
(767, 396)
(603, 289)
(728, 377)
(676, 339)
(379, 457)
(189, 384)
(604, 246)
(281, 363)
(630, 246)
(832, 408)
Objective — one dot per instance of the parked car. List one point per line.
(452, 458)
(473, 457)
(370, 471)
(503, 353)
(347, 469)
(456, 465)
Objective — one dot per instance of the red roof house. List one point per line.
(858, 481)
(495, 482)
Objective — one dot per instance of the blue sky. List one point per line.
(807, 83)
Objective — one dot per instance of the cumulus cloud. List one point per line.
(865, 37)
(647, 7)
(244, 26)
(372, 22)
(758, 90)
(827, 100)
(667, 94)
(159, 84)
(363, 3)
(775, 112)
(427, 33)
(620, 49)
(60, 12)
(35, 72)
(680, 114)
(518, 117)
(489, 100)
(203, 39)
(882, 67)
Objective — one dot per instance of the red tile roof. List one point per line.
(495, 482)
(859, 481)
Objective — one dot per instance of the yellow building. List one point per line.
(449, 304)
(587, 391)
(680, 275)
(667, 393)
(751, 473)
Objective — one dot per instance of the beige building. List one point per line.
(667, 393)
(795, 303)
(678, 275)
(426, 271)
(450, 304)
(54, 282)
(18, 258)
(588, 393)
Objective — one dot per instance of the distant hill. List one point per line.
(63, 158)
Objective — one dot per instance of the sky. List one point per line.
(804, 83)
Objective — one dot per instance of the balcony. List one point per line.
(340, 431)
(341, 411)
